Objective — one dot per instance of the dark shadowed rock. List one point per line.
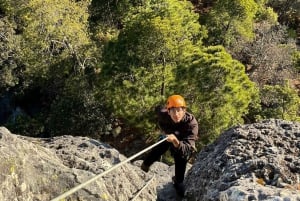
(251, 162)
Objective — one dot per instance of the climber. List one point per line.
(181, 131)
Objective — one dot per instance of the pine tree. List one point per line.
(218, 90)
(280, 102)
(140, 63)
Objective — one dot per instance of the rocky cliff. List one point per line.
(249, 162)
(34, 169)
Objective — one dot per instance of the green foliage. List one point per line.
(76, 111)
(153, 48)
(26, 125)
(154, 34)
(230, 20)
(280, 102)
(54, 31)
(109, 13)
(10, 7)
(107, 16)
(218, 90)
(265, 13)
(296, 60)
(56, 49)
(9, 51)
(140, 63)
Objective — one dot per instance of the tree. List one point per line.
(110, 13)
(106, 18)
(56, 47)
(288, 11)
(229, 20)
(9, 51)
(281, 102)
(269, 57)
(218, 90)
(53, 31)
(76, 111)
(140, 64)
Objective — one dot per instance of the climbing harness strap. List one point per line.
(76, 188)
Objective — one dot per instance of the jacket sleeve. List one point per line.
(187, 144)
(163, 119)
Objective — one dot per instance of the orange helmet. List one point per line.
(175, 101)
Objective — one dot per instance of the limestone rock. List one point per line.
(41, 169)
(249, 162)
(258, 161)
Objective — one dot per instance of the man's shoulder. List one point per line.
(190, 117)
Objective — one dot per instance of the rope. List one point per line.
(136, 196)
(76, 188)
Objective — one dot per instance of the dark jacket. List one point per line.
(186, 130)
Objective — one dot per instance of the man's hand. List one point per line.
(173, 139)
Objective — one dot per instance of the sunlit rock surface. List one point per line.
(250, 162)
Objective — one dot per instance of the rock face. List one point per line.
(251, 162)
(34, 169)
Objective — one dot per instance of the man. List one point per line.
(181, 131)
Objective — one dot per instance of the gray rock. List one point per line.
(250, 162)
(42, 169)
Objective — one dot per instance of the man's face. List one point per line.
(176, 113)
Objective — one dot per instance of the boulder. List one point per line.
(258, 161)
(34, 169)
